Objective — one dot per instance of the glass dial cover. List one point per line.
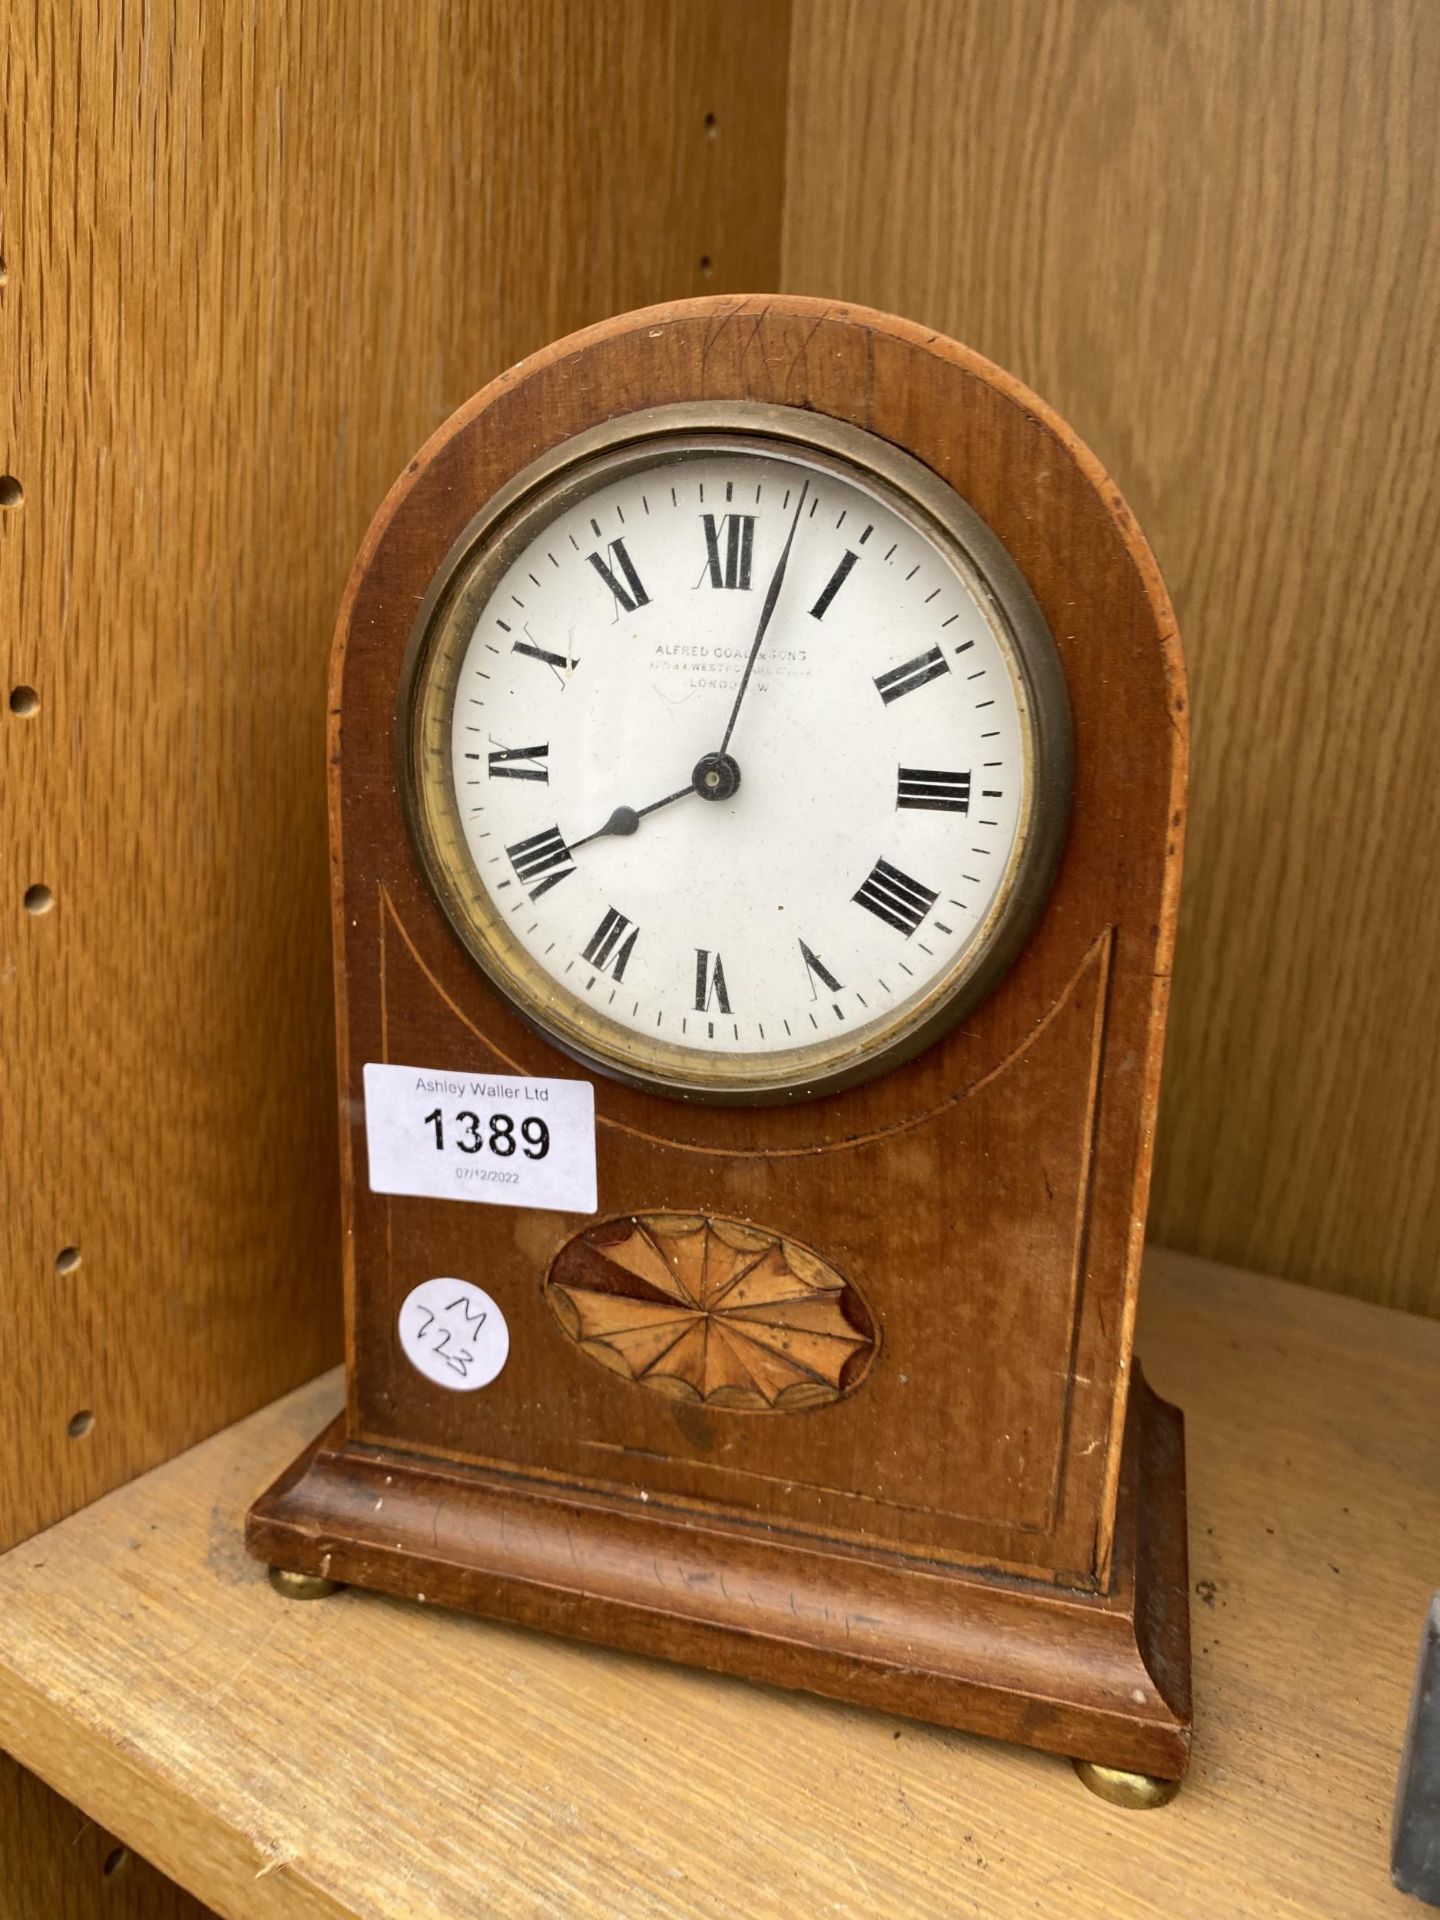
(736, 751)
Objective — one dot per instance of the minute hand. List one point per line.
(772, 594)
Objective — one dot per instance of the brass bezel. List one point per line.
(443, 626)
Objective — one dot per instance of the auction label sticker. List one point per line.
(505, 1140)
(454, 1334)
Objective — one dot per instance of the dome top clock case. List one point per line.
(762, 719)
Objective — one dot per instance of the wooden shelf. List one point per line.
(361, 1757)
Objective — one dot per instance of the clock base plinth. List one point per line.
(1103, 1678)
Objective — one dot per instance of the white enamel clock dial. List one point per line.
(727, 758)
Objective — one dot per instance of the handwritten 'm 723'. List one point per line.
(447, 1345)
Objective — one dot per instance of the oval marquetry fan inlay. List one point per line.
(712, 1311)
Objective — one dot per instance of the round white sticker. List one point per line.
(454, 1334)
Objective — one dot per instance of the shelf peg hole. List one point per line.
(712, 126)
(115, 1862)
(707, 266)
(67, 1260)
(24, 701)
(39, 898)
(79, 1424)
(12, 494)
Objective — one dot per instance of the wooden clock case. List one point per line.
(988, 1531)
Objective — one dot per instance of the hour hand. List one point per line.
(625, 820)
(622, 820)
(716, 777)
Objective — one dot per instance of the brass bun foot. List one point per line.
(302, 1586)
(1123, 1789)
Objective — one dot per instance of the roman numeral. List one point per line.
(559, 661)
(629, 594)
(833, 585)
(509, 763)
(914, 673)
(610, 939)
(544, 858)
(739, 539)
(709, 982)
(924, 787)
(892, 896)
(816, 969)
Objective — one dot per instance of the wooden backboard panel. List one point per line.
(1208, 235)
(56, 1864)
(253, 257)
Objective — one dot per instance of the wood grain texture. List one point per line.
(1032, 1116)
(941, 1542)
(56, 1864)
(360, 1756)
(712, 1312)
(1210, 235)
(254, 256)
(986, 1438)
(1097, 1677)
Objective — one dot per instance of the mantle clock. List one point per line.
(758, 748)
